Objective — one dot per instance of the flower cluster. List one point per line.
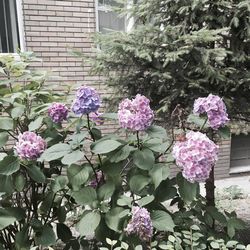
(58, 112)
(135, 114)
(30, 146)
(97, 118)
(215, 108)
(87, 100)
(140, 224)
(196, 155)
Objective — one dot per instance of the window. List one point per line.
(9, 30)
(240, 153)
(109, 20)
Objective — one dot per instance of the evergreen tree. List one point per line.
(180, 50)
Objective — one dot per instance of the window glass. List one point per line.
(9, 36)
(108, 19)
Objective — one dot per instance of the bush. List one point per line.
(55, 163)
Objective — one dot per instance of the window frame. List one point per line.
(20, 22)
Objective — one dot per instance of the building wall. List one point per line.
(52, 28)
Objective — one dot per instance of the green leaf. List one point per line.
(22, 239)
(145, 200)
(63, 232)
(120, 154)
(45, 237)
(36, 124)
(3, 138)
(113, 219)
(156, 132)
(197, 120)
(77, 175)
(56, 151)
(88, 223)
(188, 191)
(9, 165)
(59, 183)
(73, 157)
(6, 123)
(17, 112)
(237, 223)
(105, 146)
(156, 145)
(215, 245)
(159, 173)
(36, 174)
(162, 221)
(106, 190)
(6, 184)
(216, 215)
(224, 133)
(138, 182)
(19, 182)
(6, 218)
(85, 196)
(144, 159)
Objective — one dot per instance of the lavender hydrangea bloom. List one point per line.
(30, 146)
(58, 112)
(215, 108)
(97, 118)
(87, 100)
(135, 114)
(196, 155)
(140, 224)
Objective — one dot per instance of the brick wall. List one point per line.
(52, 28)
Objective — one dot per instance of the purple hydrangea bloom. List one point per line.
(30, 146)
(140, 224)
(58, 112)
(87, 100)
(97, 118)
(196, 155)
(215, 108)
(135, 114)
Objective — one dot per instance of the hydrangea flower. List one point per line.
(100, 180)
(135, 114)
(30, 146)
(215, 108)
(87, 100)
(97, 118)
(140, 224)
(196, 155)
(58, 112)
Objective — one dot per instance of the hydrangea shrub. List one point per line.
(56, 162)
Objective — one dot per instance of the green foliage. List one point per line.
(97, 178)
(178, 51)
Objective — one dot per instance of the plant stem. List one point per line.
(138, 139)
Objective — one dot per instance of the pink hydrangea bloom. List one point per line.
(140, 224)
(196, 155)
(94, 183)
(215, 108)
(58, 112)
(135, 114)
(30, 146)
(97, 118)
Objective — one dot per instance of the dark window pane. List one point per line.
(9, 37)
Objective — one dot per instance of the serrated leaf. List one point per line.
(36, 174)
(45, 237)
(36, 124)
(6, 123)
